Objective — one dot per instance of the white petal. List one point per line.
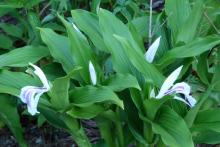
(152, 93)
(41, 75)
(168, 83)
(92, 73)
(191, 100)
(150, 54)
(182, 88)
(30, 95)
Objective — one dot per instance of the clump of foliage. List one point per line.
(101, 62)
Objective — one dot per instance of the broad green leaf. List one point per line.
(12, 82)
(172, 129)
(189, 29)
(20, 57)
(120, 82)
(207, 120)
(141, 24)
(11, 29)
(121, 55)
(193, 48)
(59, 48)
(86, 96)
(6, 42)
(10, 116)
(86, 112)
(89, 24)
(177, 12)
(208, 137)
(59, 92)
(80, 49)
(110, 25)
(151, 74)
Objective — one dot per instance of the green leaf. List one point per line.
(177, 12)
(207, 120)
(86, 96)
(193, 48)
(11, 29)
(202, 68)
(12, 82)
(89, 24)
(20, 57)
(10, 116)
(192, 113)
(59, 92)
(151, 74)
(80, 49)
(141, 24)
(208, 137)
(6, 42)
(189, 29)
(120, 82)
(86, 112)
(172, 128)
(59, 48)
(110, 25)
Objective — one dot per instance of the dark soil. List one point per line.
(47, 135)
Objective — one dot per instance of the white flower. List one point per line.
(150, 54)
(30, 94)
(92, 73)
(169, 88)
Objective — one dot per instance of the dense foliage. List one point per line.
(148, 78)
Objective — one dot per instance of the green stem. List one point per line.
(148, 134)
(80, 138)
(120, 130)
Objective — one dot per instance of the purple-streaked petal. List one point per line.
(182, 88)
(41, 75)
(150, 54)
(30, 95)
(168, 83)
(92, 73)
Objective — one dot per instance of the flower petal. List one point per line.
(191, 100)
(169, 82)
(150, 54)
(41, 75)
(30, 95)
(182, 88)
(92, 73)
